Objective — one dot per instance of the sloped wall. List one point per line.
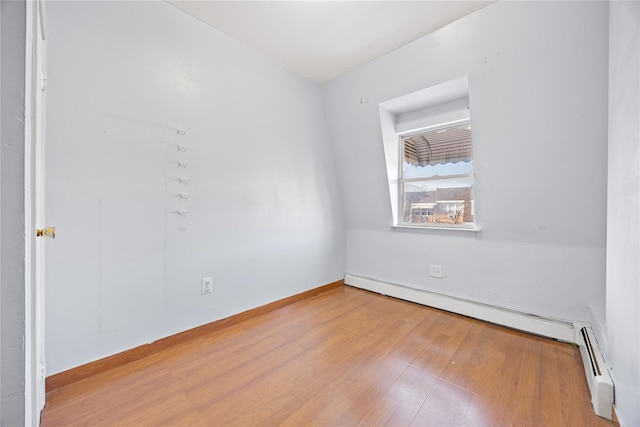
(130, 83)
(538, 97)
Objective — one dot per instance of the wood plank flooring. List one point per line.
(346, 357)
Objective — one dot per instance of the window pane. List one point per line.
(412, 171)
(444, 202)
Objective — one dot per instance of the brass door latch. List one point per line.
(46, 232)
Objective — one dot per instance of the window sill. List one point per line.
(434, 228)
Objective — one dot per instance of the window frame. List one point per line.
(402, 180)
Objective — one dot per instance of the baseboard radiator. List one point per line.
(600, 384)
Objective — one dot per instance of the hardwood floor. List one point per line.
(345, 357)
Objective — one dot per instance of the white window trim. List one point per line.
(448, 227)
(398, 223)
(391, 144)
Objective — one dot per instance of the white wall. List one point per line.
(538, 94)
(623, 204)
(263, 214)
(12, 213)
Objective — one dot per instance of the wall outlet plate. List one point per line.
(435, 270)
(207, 285)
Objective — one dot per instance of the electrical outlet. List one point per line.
(207, 285)
(435, 271)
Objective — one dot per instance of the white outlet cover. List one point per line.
(207, 285)
(435, 271)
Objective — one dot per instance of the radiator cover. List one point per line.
(595, 368)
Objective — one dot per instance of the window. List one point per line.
(426, 137)
(436, 177)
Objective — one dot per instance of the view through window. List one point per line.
(436, 177)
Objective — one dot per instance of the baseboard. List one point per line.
(616, 418)
(84, 371)
(547, 327)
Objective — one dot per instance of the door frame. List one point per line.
(40, 119)
(35, 115)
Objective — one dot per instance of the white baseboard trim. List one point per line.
(547, 327)
(617, 414)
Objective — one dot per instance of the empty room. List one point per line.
(320, 213)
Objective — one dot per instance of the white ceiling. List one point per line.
(323, 39)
